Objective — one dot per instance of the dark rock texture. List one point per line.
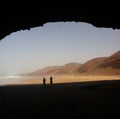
(21, 16)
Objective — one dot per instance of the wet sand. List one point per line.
(76, 100)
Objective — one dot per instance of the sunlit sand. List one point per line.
(56, 79)
(68, 79)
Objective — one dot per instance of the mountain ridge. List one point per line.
(96, 66)
(66, 69)
(105, 66)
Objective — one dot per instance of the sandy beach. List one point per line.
(68, 79)
(76, 100)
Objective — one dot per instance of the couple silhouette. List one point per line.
(51, 80)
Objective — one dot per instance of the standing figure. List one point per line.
(51, 80)
(44, 81)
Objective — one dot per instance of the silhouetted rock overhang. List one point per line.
(11, 21)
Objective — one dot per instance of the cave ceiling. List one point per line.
(15, 20)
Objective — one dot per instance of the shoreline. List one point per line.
(59, 79)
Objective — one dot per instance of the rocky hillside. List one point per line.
(90, 66)
(102, 66)
(67, 69)
(97, 66)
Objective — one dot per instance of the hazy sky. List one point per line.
(55, 44)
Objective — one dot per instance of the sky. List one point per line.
(56, 43)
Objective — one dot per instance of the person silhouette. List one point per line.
(44, 81)
(51, 80)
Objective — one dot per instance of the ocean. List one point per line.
(15, 80)
(11, 80)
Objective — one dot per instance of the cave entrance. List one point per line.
(55, 45)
